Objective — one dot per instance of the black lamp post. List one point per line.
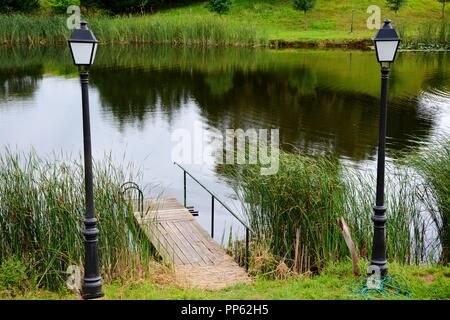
(83, 46)
(386, 44)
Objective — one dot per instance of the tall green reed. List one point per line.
(42, 212)
(295, 212)
(306, 195)
(434, 35)
(433, 165)
(158, 29)
(24, 29)
(407, 220)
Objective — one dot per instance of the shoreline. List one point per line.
(362, 45)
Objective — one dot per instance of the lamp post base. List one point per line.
(92, 289)
(378, 263)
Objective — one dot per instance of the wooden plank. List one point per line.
(195, 240)
(180, 247)
(203, 243)
(198, 260)
(351, 245)
(163, 203)
(198, 245)
(160, 241)
(176, 251)
(172, 216)
(180, 237)
(184, 245)
(209, 242)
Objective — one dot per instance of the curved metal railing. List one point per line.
(130, 185)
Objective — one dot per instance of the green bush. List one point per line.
(8, 6)
(219, 6)
(304, 5)
(13, 276)
(127, 6)
(395, 5)
(134, 6)
(60, 6)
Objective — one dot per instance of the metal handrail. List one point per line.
(214, 198)
(130, 185)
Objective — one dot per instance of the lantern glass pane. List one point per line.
(386, 50)
(95, 52)
(81, 52)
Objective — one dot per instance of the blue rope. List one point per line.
(389, 285)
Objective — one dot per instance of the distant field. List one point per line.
(249, 23)
(330, 20)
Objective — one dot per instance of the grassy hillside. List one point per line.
(331, 19)
(419, 22)
(249, 23)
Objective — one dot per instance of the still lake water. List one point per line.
(322, 101)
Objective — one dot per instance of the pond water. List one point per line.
(321, 101)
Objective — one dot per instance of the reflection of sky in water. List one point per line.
(437, 102)
(136, 124)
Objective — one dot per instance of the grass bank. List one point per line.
(336, 282)
(294, 213)
(249, 23)
(41, 219)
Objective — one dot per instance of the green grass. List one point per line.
(41, 219)
(336, 282)
(248, 23)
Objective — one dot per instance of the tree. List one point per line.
(219, 6)
(444, 2)
(395, 4)
(304, 5)
(132, 6)
(7, 6)
(126, 6)
(60, 6)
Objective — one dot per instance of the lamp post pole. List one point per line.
(83, 47)
(92, 280)
(379, 217)
(386, 44)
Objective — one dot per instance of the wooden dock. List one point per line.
(198, 260)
